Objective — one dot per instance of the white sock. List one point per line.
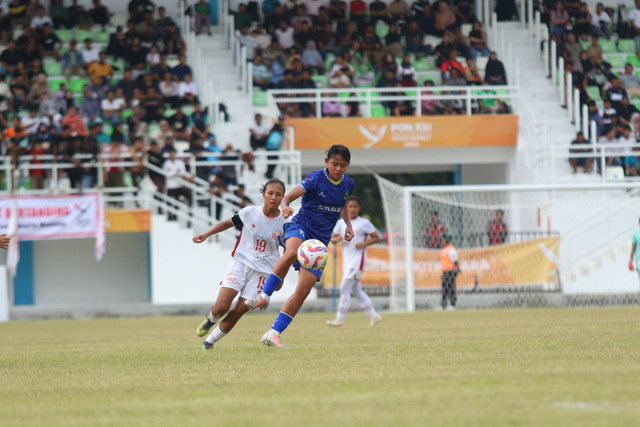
(216, 335)
(274, 332)
(213, 319)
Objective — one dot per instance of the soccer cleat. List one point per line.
(203, 328)
(207, 346)
(451, 308)
(375, 320)
(272, 340)
(260, 301)
(335, 323)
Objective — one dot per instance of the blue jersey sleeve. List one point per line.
(310, 183)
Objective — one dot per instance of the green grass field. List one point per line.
(486, 368)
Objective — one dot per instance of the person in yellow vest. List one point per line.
(450, 269)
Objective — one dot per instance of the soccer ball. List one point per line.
(312, 254)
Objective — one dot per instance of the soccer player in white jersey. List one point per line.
(354, 255)
(255, 255)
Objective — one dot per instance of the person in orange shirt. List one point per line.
(73, 119)
(450, 269)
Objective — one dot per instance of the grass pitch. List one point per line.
(486, 368)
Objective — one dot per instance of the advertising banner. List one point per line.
(128, 221)
(530, 262)
(53, 217)
(406, 132)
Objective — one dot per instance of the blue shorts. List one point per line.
(301, 232)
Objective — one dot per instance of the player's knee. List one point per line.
(290, 256)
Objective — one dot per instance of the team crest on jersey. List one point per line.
(253, 226)
(231, 278)
(346, 195)
(275, 234)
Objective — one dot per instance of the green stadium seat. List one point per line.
(81, 35)
(329, 60)
(382, 30)
(65, 36)
(54, 84)
(169, 112)
(636, 104)
(321, 80)
(411, 93)
(626, 45)
(126, 113)
(77, 85)
(101, 36)
(423, 78)
(616, 61)
(608, 46)
(422, 64)
(188, 110)
(594, 92)
(633, 60)
(378, 110)
(260, 99)
(52, 68)
(585, 43)
(363, 85)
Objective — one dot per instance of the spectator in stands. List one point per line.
(90, 106)
(6, 101)
(19, 93)
(407, 72)
(79, 15)
(127, 85)
(74, 121)
(271, 54)
(456, 79)
(445, 19)
(153, 57)
(634, 20)
(113, 175)
(434, 230)
(199, 128)
(559, 20)
(72, 152)
(450, 64)
(630, 81)
(428, 105)
(583, 162)
(175, 172)
(248, 41)
(612, 158)
(311, 58)
(331, 108)
(378, 11)
(242, 196)
(449, 106)
(628, 141)
(38, 21)
(170, 90)
(357, 11)
(403, 107)
(274, 141)
(59, 14)
(627, 113)
(37, 175)
(49, 43)
(595, 53)
(497, 229)
(259, 131)
(10, 58)
(478, 41)
(179, 123)
(572, 49)
(427, 20)
(494, 71)
(162, 134)
(155, 158)
(187, 90)
(615, 93)
(101, 72)
(600, 21)
(260, 73)
(38, 89)
(414, 38)
(632, 162)
(285, 35)
(117, 46)
(399, 10)
(112, 107)
(72, 61)
(471, 73)
(99, 14)
(341, 73)
(182, 69)
(89, 54)
(491, 104)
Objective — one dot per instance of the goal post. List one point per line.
(516, 238)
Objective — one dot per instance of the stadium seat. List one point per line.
(77, 85)
(608, 46)
(626, 45)
(585, 43)
(168, 112)
(422, 64)
(465, 29)
(382, 30)
(329, 61)
(65, 36)
(83, 34)
(126, 113)
(52, 68)
(633, 60)
(54, 84)
(481, 62)
(260, 99)
(423, 78)
(378, 110)
(188, 110)
(616, 61)
(101, 36)
(594, 92)
(321, 80)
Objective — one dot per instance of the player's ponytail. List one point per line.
(272, 181)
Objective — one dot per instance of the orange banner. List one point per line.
(406, 132)
(119, 221)
(530, 262)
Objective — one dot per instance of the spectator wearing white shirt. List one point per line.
(259, 132)
(600, 21)
(40, 19)
(175, 171)
(31, 122)
(187, 90)
(112, 107)
(6, 100)
(634, 21)
(170, 90)
(313, 7)
(285, 35)
(628, 140)
(89, 54)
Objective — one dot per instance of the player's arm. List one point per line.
(4, 241)
(336, 238)
(453, 254)
(348, 230)
(633, 251)
(292, 195)
(218, 228)
(372, 240)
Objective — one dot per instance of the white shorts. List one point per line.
(247, 281)
(353, 273)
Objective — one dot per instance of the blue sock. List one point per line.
(271, 284)
(282, 321)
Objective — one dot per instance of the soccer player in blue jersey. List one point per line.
(324, 200)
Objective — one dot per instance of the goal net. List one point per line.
(509, 238)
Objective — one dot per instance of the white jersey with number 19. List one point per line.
(257, 245)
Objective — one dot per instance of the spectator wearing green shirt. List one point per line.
(203, 17)
(490, 105)
(635, 251)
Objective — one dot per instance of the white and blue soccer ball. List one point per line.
(312, 254)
